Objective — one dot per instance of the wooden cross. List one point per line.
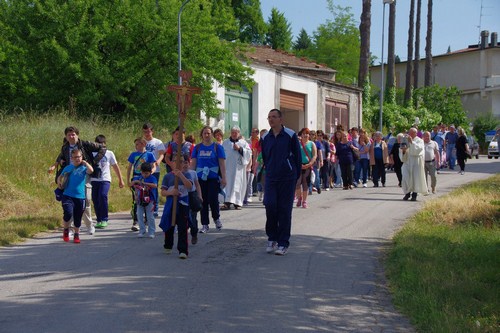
(184, 99)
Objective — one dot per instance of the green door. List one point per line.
(238, 111)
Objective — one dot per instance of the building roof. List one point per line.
(283, 60)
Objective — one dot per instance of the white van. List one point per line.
(493, 147)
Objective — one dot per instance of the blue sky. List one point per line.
(455, 22)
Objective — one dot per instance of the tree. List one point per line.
(279, 34)
(428, 46)
(302, 43)
(252, 28)
(114, 59)
(391, 60)
(411, 28)
(336, 44)
(364, 54)
(482, 124)
(445, 101)
(416, 62)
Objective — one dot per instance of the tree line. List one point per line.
(116, 57)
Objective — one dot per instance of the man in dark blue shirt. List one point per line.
(282, 161)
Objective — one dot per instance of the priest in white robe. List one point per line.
(412, 154)
(238, 155)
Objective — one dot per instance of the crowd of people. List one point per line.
(278, 166)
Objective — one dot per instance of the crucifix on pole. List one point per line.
(184, 98)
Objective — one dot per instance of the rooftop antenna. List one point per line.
(480, 22)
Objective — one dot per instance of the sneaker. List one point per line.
(355, 184)
(151, 236)
(327, 189)
(462, 172)
(218, 224)
(76, 238)
(168, 251)
(364, 185)
(104, 224)
(91, 230)
(194, 239)
(304, 204)
(98, 225)
(299, 202)
(271, 246)
(66, 235)
(281, 251)
(135, 226)
(261, 196)
(204, 229)
(249, 199)
(183, 255)
(141, 234)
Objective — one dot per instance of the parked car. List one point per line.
(473, 146)
(493, 147)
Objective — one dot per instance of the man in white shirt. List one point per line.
(432, 158)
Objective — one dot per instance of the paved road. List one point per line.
(331, 280)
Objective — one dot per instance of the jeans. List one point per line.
(155, 190)
(149, 210)
(357, 171)
(338, 174)
(451, 155)
(100, 192)
(364, 166)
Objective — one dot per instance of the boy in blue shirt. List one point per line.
(73, 200)
(143, 204)
(182, 213)
(135, 160)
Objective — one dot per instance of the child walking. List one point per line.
(73, 200)
(182, 213)
(135, 160)
(146, 200)
(102, 184)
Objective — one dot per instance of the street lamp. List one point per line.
(382, 64)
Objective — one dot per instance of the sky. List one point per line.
(455, 22)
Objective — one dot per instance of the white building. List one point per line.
(474, 70)
(304, 91)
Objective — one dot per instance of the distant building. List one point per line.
(304, 91)
(474, 70)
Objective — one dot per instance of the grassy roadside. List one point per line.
(29, 145)
(444, 266)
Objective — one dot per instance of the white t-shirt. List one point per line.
(108, 160)
(430, 150)
(154, 146)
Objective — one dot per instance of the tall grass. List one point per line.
(29, 144)
(444, 268)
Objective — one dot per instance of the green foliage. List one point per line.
(444, 100)
(445, 277)
(114, 59)
(483, 123)
(252, 27)
(336, 44)
(303, 42)
(279, 34)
